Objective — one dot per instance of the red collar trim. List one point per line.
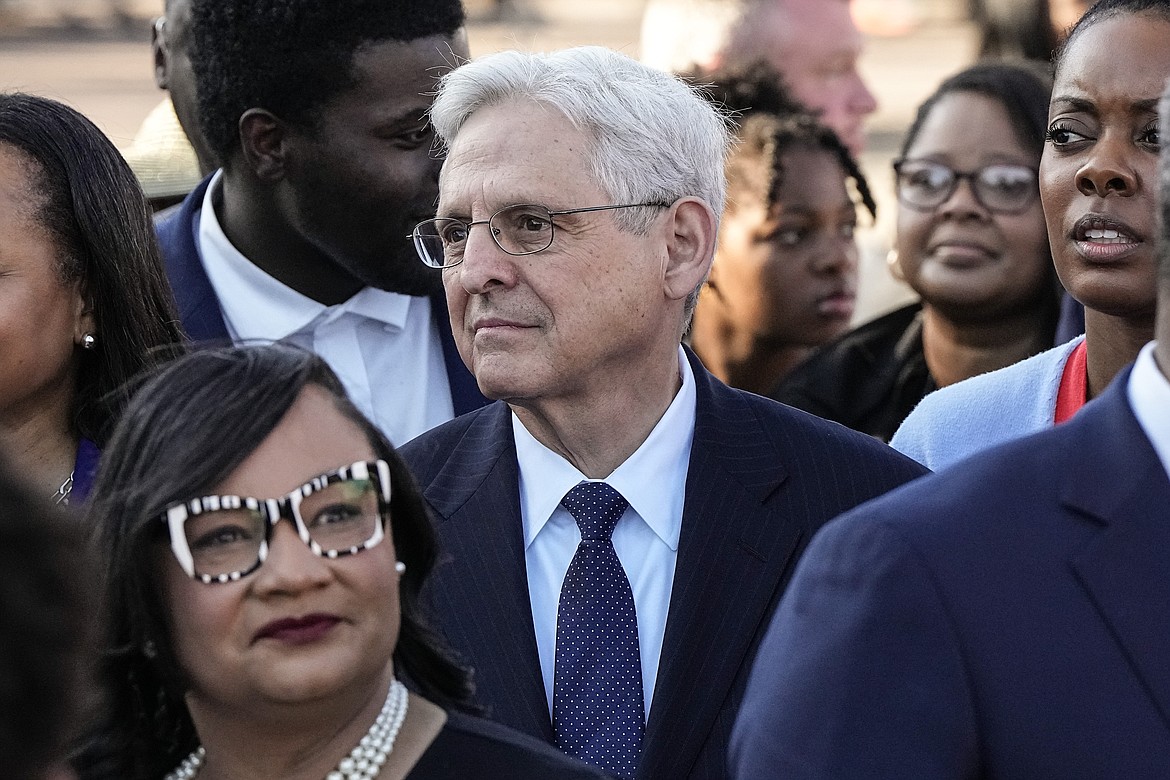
(1074, 385)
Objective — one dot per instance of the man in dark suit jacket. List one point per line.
(572, 315)
(199, 308)
(317, 112)
(1007, 617)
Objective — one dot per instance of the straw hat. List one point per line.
(161, 156)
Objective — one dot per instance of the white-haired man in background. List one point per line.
(813, 44)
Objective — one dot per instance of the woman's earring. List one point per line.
(894, 266)
(400, 567)
(149, 650)
(88, 341)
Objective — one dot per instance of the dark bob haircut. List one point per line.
(293, 56)
(768, 122)
(91, 204)
(183, 433)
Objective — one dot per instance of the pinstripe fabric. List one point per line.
(762, 478)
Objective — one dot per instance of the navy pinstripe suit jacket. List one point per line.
(762, 478)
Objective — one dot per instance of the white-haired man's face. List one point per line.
(815, 45)
(572, 321)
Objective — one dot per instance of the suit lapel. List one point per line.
(481, 582)
(730, 561)
(1115, 477)
(194, 296)
(203, 320)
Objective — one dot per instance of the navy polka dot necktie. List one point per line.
(598, 714)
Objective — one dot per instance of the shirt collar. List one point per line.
(261, 308)
(1149, 395)
(652, 480)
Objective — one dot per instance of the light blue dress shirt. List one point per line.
(653, 480)
(1149, 395)
(382, 345)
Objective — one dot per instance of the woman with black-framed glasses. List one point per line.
(1099, 184)
(971, 242)
(263, 550)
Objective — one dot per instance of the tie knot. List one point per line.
(596, 507)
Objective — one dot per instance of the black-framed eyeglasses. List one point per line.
(223, 538)
(523, 229)
(1005, 188)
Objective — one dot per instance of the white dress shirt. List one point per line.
(382, 345)
(653, 481)
(1149, 396)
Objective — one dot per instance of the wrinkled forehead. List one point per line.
(516, 151)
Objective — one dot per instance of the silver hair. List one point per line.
(653, 137)
(681, 35)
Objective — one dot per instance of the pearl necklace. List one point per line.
(364, 762)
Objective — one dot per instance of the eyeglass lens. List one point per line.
(1001, 187)
(340, 517)
(518, 230)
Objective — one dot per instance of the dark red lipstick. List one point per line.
(298, 630)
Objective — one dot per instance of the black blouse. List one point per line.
(470, 747)
(869, 379)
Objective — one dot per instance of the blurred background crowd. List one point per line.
(911, 206)
(90, 54)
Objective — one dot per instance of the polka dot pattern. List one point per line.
(598, 712)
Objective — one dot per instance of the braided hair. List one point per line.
(768, 123)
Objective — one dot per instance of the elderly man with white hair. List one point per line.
(619, 525)
(813, 44)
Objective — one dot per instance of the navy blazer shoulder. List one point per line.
(810, 442)
(1004, 618)
(202, 318)
(762, 477)
(178, 229)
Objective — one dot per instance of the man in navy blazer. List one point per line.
(577, 218)
(317, 111)
(1008, 617)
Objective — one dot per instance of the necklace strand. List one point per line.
(364, 762)
(62, 494)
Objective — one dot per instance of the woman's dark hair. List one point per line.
(768, 123)
(1023, 89)
(1106, 9)
(47, 614)
(1014, 29)
(88, 199)
(183, 433)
